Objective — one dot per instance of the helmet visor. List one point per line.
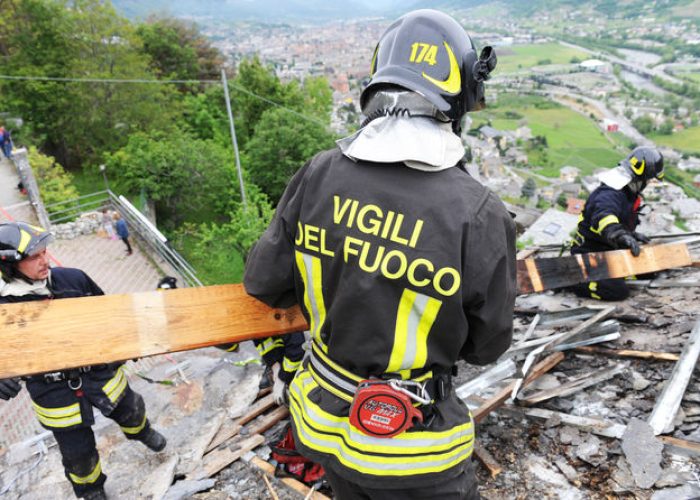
(38, 244)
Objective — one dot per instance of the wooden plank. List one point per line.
(487, 460)
(219, 459)
(268, 420)
(572, 386)
(501, 396)
(536, 275)
(291, 483)
(691, 446)
(628, 353)
(93, 330)
(667, 404)
(231, 430)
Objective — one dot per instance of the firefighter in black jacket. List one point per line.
(402, 264)
(611, 216)
(63, 401)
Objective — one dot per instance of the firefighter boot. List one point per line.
(98, 494)
(153, 439)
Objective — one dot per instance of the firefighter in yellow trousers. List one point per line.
(402, 264)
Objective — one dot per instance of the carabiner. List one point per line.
(70, 385)
(400, 385)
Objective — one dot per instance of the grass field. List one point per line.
(572, 139)
(519, 57)
(687, 140)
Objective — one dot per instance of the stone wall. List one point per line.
(87, 223)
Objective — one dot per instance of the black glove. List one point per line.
(622, 238)
(9, 388)
(640, 237)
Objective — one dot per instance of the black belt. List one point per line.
(343, 383)
(72, 374)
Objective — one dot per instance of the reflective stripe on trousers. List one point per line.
(408, 454)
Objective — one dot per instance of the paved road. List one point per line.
(13, 205)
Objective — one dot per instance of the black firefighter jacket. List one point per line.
(57, 406)
(605, 210)
(397, 271)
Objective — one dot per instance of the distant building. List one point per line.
(574, 205)
(516, 155)
(554, 227)
(495, 137)
(524, 133)
(696, 181)
(595, 66)
(569, 173)
(610, 125)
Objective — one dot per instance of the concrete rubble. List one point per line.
(594, 442)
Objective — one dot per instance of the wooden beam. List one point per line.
(628, 353)
(536, 275)
(667, 404)
(487, 460)
(217, 460)
(573, 386)
(94, 330)
(232, 429)
(501, 396)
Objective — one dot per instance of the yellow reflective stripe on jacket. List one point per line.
(605, 222)
(233, 347)
(408, 454)
(65, 416)
(116, 386)
(414, 319)
(269, 344)
(90, 478)
(290, 366)
(310, 270)
(134, 430)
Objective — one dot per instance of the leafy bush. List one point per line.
(55, 184)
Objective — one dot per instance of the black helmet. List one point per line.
(167, 283)
(428, 52)
(645, 163)
(19, 240)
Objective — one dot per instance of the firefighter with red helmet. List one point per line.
(611, 215)
(402, 264)
(63, 400)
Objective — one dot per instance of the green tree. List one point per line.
(188, 179)
(644, 124)
(218, 251)
(529, 188)
(282, 143)
(666, 128)
(81, 39)
(178, 50)
(55, 183)
(562, 200)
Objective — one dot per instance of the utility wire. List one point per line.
(158, 82)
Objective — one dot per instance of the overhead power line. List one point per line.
(159, 82)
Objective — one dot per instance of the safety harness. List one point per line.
(380, 407)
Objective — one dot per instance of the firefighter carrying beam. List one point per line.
(63, 400)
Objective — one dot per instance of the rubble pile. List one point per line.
(597, 441)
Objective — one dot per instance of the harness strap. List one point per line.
(343, 383)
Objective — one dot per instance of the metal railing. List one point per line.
(147, 233)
